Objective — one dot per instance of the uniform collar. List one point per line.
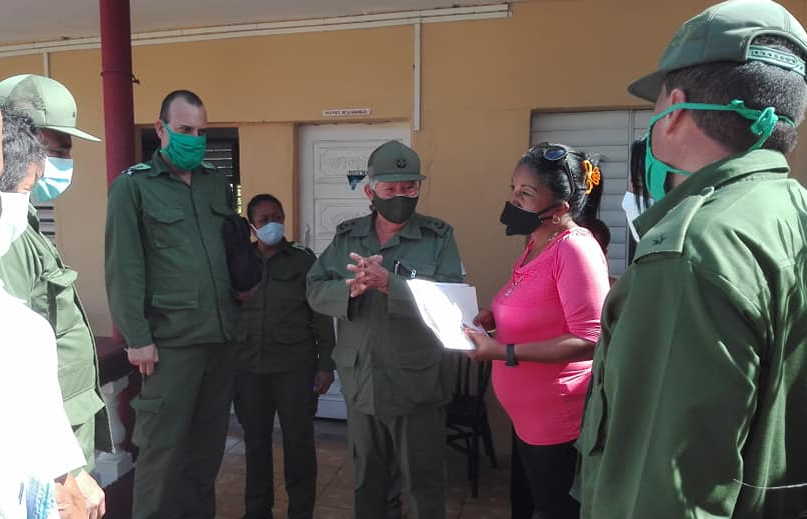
(714, 175)
(284, 247)
(160, 166)
(410, 231)
(33, 217)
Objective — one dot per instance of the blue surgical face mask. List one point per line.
(55, 180)
(271, 233)
(764, 122)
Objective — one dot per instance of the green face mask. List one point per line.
(186, 152)
(656, 171)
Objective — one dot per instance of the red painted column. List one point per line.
(116, 71)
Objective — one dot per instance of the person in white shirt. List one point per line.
(37, 445)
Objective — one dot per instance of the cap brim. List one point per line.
(648, 87)
(398, 177)
(75, 132)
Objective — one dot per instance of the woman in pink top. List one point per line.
(546, 320)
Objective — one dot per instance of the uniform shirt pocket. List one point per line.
(165, 227)
(287, 284)
(294, 334)
(179, 300)
(174, 314)
(416, 270)
(592, 432)
(82, 407)
(63, 312)
(221, 210)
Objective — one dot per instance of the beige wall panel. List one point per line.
(268, 161)
(282, 78)
(81, 211)
(32, 64)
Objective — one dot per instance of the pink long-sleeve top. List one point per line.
(561, 291)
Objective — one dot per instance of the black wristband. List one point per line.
(510, 355)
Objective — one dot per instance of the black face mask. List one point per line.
(397, 209)
(519, 221)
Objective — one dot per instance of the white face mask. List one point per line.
(633, 206)
(13, 218)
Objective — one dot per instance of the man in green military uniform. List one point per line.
(33, 271)
(170, 296)
(393, 371)
(700, 377)
(284, 363)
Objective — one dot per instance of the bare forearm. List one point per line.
(565, 348)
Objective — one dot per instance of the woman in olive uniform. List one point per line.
(284, 363)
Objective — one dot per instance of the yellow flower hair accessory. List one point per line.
(591, 176)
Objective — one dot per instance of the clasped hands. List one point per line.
(370, 274)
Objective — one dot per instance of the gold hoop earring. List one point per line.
(556, 219)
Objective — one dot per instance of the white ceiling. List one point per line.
(23, 21)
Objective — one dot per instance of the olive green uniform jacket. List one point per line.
(166, 269)
(33, 270)
(278, 331)
(388, 361)
(700, 376)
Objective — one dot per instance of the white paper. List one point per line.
(445, 308)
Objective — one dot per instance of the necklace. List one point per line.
(531, 244)
(551, 237)
(519, 277)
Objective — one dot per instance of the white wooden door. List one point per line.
(328, 153)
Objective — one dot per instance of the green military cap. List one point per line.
(724, 32)
(394, 162)
(48, 102)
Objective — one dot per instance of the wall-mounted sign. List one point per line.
(355, 176)
(346, 112)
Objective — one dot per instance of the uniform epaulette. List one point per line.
(669, 234)
(435, 224)
(346, 226)
(137, 168)
(300, 246)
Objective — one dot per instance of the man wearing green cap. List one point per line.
(696, 407)
(392, 368)
(170, 296)
(33, 271)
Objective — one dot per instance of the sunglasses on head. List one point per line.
(554, 154)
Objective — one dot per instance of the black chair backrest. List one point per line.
(473, 379)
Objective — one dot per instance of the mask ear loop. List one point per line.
(764, 123)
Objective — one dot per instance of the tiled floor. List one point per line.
(335, 482)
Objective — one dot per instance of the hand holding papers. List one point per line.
(446, 308)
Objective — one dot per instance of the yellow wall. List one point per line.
(481, 81)
(268, 153)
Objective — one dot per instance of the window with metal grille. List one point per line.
(47, 219)
(222, 152)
